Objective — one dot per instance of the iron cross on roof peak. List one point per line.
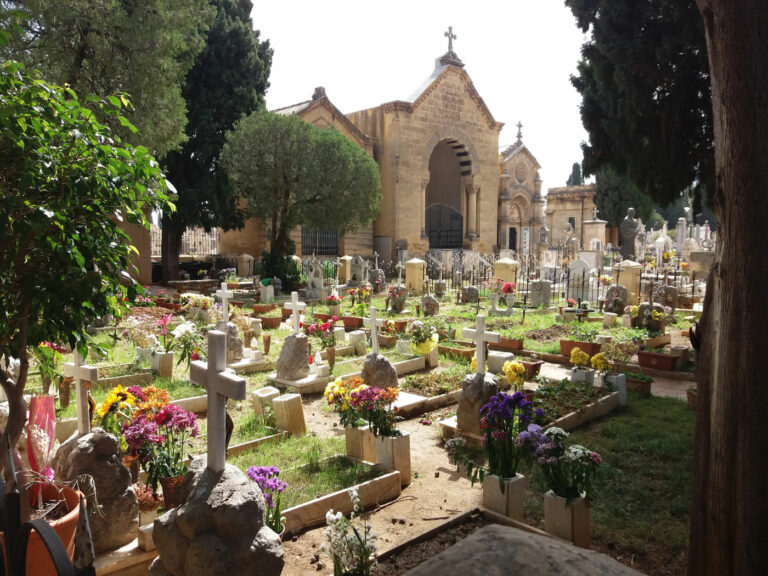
(519, 131)
(451, 37)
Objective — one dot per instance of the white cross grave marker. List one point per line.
(480, 336)
(376, 259)
(374, 323)
(400, 273)
(225, 295)
(221, 385)
(82, 375)
(296, 307)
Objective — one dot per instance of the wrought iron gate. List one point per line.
(444, 227)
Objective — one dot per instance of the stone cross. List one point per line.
(399, 273)
(366, 266)
(225, 295)
(82, 375)
(594, 213)
(451, 37)
(296, 307)
(519, 131)
(480, 336)
(374, 324)
(336, 280)
(221, 385)
(376, 259)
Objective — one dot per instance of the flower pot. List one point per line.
(400, 325)
(360, 443)
(567, 520)
(286, 313)
(508, 503)
(172, 491)
(162, 363)
(39, 560)
(334, 311)
(267, 339)
(586, 375)
(641, 386)
(330, 356)
(510, 299)
(532, 367)
(656, 361)
(144, 355)
(387, 340)
(447, 334)
(132, 463)
(270, 323)
(569, 314)
(590, 348)
(263, 308)
(394, 453)
(352, 322)
(320, 317)
(619, 382)
(457, 352)
(147, 516)
(507, 344)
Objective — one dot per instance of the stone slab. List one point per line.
(196, 404)
(250, 365)
(496, 360)
(312, 384)
(128, 560)
(289, 414)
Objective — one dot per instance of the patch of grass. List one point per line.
(560, 398)
(642, 512)
(287, 454)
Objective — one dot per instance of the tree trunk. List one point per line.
(729, 516)
(171, 247)
(17, 409)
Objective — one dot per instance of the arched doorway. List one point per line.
(449, 164)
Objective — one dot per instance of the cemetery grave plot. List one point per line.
(248, 429)
(443, 380)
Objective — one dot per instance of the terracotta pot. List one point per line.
(656, 361)
(692, 396)
(38, 559)
(532, 367)
(641, 386)
(510, 502)
(330, 356)
(267, 339)
(352, 322)
(270, 323)
(507, 344)
(387, 340)
(465, 353)
(567, 520)
(172, 491)
(322, 317)
(132, 463)
(262, 308)
(400, 325)
(286, 313)
(590, 348)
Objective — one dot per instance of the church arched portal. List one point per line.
(449, 167)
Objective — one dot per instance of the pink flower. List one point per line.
(335, 318)
(164, 322)
(312, 329)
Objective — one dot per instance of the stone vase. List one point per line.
(567, 520)
(618, 382)
(267, 340)
(162, 363)
(330, 356)
(360, 443)
(586, 375)
(144, 355)
(394, 453)
(147, 516)
(510, 298)
(508, 503)
(335, 310)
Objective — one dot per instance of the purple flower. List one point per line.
(174, 417)
(138, 392)
(141, 432)
(266, 477)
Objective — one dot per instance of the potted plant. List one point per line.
(264, 308)
(639, 382)
(580, 371)
(583, 336)
(149, 502)
(424, 338)
(656, 358)
(360, 441)
(612, 361)
(393, 447)
(570, 475)
(272, 319)
(354, 320)
(334, 304)
(503, 420)
(388, 335)
(161, 444)
(514, 372)
(266, 477)
(532, 366)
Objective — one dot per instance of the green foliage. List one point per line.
(228, 80)
(66, 182)
(647, 104)
(273, 265)
(142, 47)
(575, 179)
(615, 193)
(292, 173)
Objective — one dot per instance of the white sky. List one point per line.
(519, 54)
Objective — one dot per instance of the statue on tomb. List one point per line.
(627, 234)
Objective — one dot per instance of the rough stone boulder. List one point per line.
(429, 305)
(470, 294)
(476, 390)
(218, 530)
(379, 371)
(293, 362)
(502, 550)
(616, 298)
(116, 520)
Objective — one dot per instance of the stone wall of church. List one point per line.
(407, 134)
(574, 202)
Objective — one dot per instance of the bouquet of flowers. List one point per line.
(508, 288)
(339, 395)
(351, 544)
(188, 341)
(606, 280)
(571, 303)
(333, 300)
(503, 419)
(148, 401)
(579, 358)
(161, 442)
(375, 405)
(324, 332)
(271, 487)
(115, 411)
(514, 372)
(424, 337)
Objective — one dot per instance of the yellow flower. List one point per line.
(578, 357)
(599, 362)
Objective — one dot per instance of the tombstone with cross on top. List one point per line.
(400, 268)
(224, 295)
(220, 385)
(296, 308)
(479, 335)
(83, 374)
(374, 324)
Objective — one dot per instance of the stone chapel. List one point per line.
(444, 184)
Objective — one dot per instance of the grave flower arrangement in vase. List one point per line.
(514, 372)
(503, 419)
(187, 340)
(508, 289)
(424, 337)
(351, 542)
(266, 477)
(581, 372)
(334, 304)
(570, 474)
(162, 356)
(115, 412)
(612, 361)
(161, 443)
(338, 394)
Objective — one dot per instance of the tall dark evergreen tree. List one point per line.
(615, 193)
(644, 80)
(575, 179)
(228, 81)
